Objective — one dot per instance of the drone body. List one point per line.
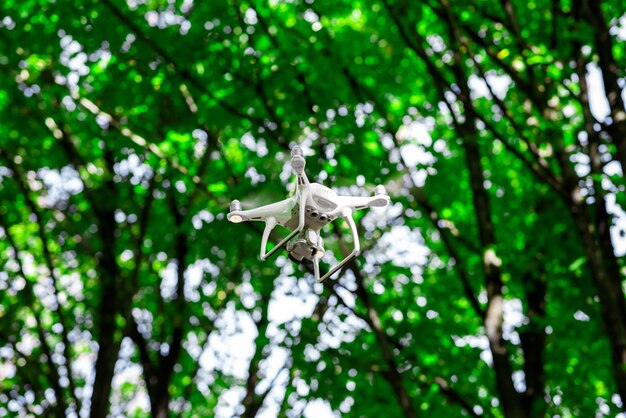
(305, 213)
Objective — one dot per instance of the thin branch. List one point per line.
(183, 73)
(251, 402)
(53, 374)
(468, 289)
(539, 167)
(19, 179)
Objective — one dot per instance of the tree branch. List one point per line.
(19, 179)
(53, 374)
(183, 73)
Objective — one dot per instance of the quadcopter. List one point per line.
(305, 213)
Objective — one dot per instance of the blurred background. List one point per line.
(491, 286)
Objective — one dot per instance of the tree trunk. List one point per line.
(533, 338)
(391, 374)
(160, 407)
(511, 402)
(606, 276)
(110, 299)
(592, 12)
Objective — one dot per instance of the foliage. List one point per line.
(493, 286)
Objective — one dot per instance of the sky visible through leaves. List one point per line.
(492, 286)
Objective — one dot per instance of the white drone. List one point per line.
(305, 214)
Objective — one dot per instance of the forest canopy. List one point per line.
(493, 285)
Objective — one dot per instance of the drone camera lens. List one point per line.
(323, 218)
(314, 214)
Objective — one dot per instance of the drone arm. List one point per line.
(380, 199)
(347, 215)
(359, 202)
(271, 223)
(276, 210)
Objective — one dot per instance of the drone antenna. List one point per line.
(296, 151)
(298, 163)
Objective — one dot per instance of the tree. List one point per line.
(494, 285)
